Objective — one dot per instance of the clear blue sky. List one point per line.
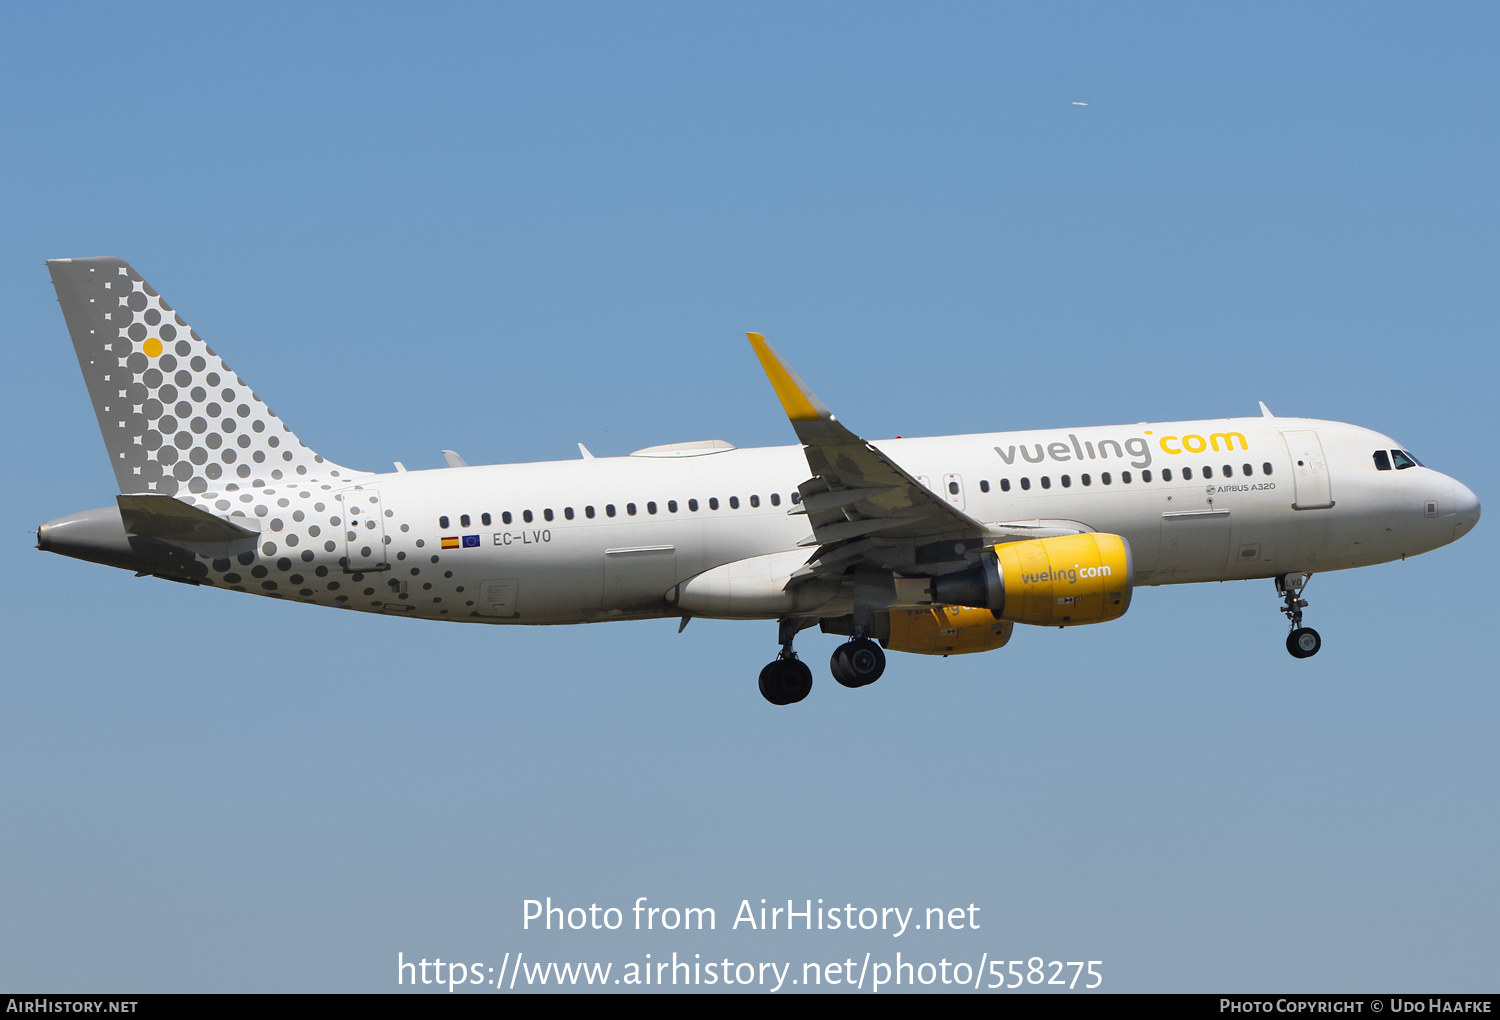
(508, 229)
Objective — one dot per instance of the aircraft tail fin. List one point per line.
(175, 418)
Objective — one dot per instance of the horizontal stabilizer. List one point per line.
(171, 520)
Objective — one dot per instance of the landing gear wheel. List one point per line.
(785, 681)
(857, 663)
(1303, 642)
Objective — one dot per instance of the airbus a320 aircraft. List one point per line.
(936, 546)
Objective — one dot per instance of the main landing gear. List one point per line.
(787, 679)
(1302, 642)
(857, 663)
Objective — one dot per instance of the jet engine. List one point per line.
(1063, 581)
(946, 630)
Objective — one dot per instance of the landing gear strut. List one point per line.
(786, 679)
(1302, 642)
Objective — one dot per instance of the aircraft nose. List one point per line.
(1466, 505)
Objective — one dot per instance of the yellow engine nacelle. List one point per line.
(946, 630)
(1062, 581)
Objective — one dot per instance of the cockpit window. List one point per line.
(1382, 461)
(1403, 460)
(1418, 463)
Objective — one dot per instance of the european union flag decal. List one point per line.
(471, 541)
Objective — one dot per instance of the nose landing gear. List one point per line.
(1302, 642)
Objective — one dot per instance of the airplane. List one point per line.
(935, 546)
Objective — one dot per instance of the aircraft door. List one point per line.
(364, 530)
(953, 490)
(1309, 471)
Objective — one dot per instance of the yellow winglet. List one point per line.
(796, 399)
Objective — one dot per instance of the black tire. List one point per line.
(857, 663)
(838, 665)
(1303, 643)
(866, 661)
(796, 680)
(785, 681)
(770, 684)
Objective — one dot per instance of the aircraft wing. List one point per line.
(860, 504)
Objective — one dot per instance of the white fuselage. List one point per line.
(1290, 495)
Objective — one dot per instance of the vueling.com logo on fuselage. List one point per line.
(1070, 575)
(1137, 448)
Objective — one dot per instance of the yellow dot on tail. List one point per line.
(152, 347)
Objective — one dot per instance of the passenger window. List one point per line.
(1208, 472)
(1187, 474)
(568, 512)
(547, 514)
(1005, 485)
(1026, 483)
(1266, 467)
(953, 488)
(1087, 480)
(1146, 476)
(651, 507)
(693, 505)
(630, 509)
(526, 516)
(1402, 460)
(713, 502)
(507, 518)
(1046, 482)
(1104, 477)
(1067, 481)
(775, 499)
(1247, 470)
(588, 512)
(1125, 477)
(1228, 470)
(485, 519)
(443, 523)
(984, 485)
(796, 498)
(609, 509)
(734, 502)
(671, 506)
(463, 521)
(755, 501)
(1166, 474)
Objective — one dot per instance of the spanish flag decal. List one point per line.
(450, 543)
